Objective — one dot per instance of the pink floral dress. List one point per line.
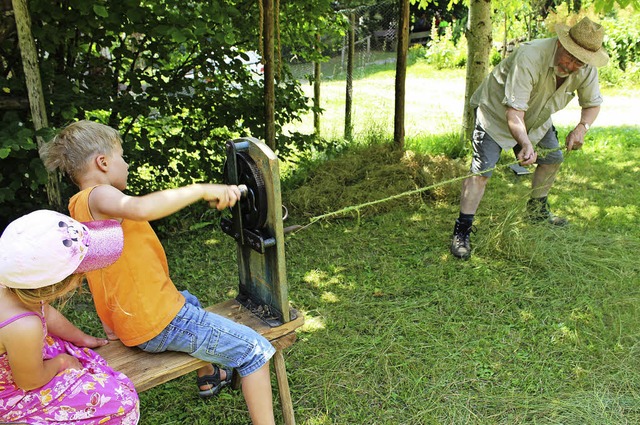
(96, 394)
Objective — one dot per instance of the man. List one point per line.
(513, 110)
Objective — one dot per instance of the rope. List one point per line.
(541, 152)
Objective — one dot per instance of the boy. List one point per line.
(135, 297)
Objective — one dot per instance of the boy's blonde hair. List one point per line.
(76, 145)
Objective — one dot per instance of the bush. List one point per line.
(443, 52)
(22, 176)
(495, 57)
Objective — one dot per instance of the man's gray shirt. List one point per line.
(526, 81)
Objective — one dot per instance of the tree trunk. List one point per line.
(269, 83)
(34, 89)
(401, 74)
(479, 47)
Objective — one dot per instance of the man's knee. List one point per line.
(548, 167)
(474, 184)
(479, 180)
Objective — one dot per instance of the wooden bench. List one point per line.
(419, 37)
(147, 370)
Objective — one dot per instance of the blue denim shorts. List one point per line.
(212, 338)
(486, 151)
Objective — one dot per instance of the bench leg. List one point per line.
(283, 388)
(235, 381)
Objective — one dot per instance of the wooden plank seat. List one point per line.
(147, 370)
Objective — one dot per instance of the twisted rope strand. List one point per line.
(541, 152)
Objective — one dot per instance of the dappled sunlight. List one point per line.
(618, 213)
(320, 279)
(320, 419)
(575, 180)
(630, 166)
(329, 297)
(212, 242)
(417, 217)
(312, 323)
(585, 210)
(583, 315)
(563, 333)
(526, 315)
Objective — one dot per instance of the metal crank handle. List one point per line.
(244, 191)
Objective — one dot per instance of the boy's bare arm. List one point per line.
(108, 202)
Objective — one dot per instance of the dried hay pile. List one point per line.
(371, 173)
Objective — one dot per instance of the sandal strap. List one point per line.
(213, 379)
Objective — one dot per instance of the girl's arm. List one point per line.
(60, 326)
(23, 340)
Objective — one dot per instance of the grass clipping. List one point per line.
(371, 173)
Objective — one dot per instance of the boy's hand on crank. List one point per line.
(221, 196)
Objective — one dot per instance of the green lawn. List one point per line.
(434, 103)
(540, 326)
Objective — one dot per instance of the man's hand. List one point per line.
(575, 139)
(527, 154)
(518, 129)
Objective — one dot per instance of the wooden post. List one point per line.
(348, 126)
(401, 74)
(269, 84)
(34, 89)
(316, 91)
(283, 388)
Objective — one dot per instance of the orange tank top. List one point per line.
(135, 295)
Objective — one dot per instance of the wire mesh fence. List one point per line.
(375, 29)
(371, 100)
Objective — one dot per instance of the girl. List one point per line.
(45, 375)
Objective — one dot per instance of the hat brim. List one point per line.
(105, 246)
(598, 58)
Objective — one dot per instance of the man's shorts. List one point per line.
(486, 152)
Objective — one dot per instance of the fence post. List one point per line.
(316, 91)
(34, 89)
(348, 126)
(269, 86)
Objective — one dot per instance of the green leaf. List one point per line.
(4, 153)
(230, 38)
(100, 11)
(177, 35)
(198, 226)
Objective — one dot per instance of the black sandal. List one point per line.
(214, 380)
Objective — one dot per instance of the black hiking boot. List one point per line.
(538, 212)
(461, 240)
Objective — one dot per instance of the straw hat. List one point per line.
(584, 41)
(44, 247)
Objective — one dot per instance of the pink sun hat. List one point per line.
(44, 247)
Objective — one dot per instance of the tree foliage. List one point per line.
(170, 75)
